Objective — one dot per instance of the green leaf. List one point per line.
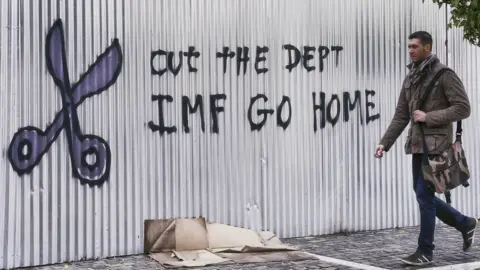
(465, 14)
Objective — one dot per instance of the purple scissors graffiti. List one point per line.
(89, 154)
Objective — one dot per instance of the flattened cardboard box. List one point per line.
(196, 243)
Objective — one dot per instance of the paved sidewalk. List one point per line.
(375, 248)
(382, 248)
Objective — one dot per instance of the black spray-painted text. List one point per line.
(327, 109)
(310, 57)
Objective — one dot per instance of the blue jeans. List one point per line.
(431, 206)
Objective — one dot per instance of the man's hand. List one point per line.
(419, 116)
(379, 151)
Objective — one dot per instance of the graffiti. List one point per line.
(169, 60)
(188, 108)
(265, 112)
(89, 154)
(242, 57)
(330, 110)
(308, 56)
(332, 116)
(215, 109)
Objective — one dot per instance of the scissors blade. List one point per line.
(100, 75)
(56, 55)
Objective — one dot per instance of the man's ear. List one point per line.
(428, 47)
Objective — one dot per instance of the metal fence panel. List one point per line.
(284, 103)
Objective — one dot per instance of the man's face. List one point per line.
(417, 50)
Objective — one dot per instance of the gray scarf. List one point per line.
(417, 72)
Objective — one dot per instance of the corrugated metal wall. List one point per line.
(294, 181)
(464, 59)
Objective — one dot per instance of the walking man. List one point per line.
(446, 104)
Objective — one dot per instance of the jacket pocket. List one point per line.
(436, 143)
(436, 139)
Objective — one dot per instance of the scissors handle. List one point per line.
(26, 149)
(30, 143)
(91, 157)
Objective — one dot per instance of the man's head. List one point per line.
(419, 45)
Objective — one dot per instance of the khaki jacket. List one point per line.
(447, 103)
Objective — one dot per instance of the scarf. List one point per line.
(418, 71)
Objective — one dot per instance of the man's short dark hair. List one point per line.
(423, 36)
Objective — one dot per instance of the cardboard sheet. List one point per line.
(197, 258)
(175, 234)
(195, 243)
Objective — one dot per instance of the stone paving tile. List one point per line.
(377, 248)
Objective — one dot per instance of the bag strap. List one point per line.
(459, 130)
(430, 86)
(459, 124)
(428, 89)
(458, 133)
